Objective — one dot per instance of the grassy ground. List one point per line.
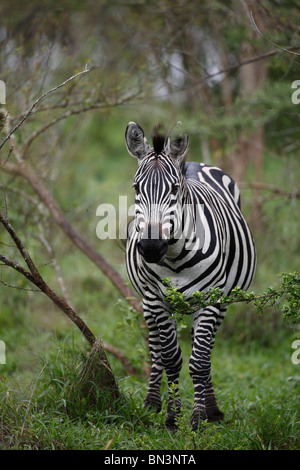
(42, 407)
(261, 413)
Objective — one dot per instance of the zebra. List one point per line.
(215, 250)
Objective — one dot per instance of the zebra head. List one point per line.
(158, 187)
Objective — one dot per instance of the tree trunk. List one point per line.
(250, 146)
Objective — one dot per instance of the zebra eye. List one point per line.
(137, 188)
(174, 189)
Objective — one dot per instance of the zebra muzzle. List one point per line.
(153, 251)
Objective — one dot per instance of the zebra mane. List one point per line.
(159, 138)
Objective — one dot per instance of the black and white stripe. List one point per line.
(188, 226)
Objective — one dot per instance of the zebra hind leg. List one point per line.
(205, 406)
(213, 412)
(210, 410)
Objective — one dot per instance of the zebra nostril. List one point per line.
(163, 248)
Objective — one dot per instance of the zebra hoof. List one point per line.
(172, 421)
(152, 405)
(173, 413)
(214, 414)
(198, 416)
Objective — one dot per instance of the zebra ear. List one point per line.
(136, 141)
(177, 144)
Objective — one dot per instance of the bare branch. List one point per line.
(271, 188)
(38, 101)
(123, 359)
(250, 60)
(26, 289)
(35, 277)
(50, 249)
(21, 193)
(236, 66)
(17, 267)
(5, 222)
(289, 50)
(69, 113)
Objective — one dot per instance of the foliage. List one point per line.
(289, 290)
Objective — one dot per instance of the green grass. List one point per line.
(257, 388)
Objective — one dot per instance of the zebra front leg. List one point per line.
(200, 365)
(153, 399)
(171, 357)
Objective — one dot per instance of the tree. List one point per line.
(22, 168)
(99, 359)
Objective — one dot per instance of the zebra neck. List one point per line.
(191, 232)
